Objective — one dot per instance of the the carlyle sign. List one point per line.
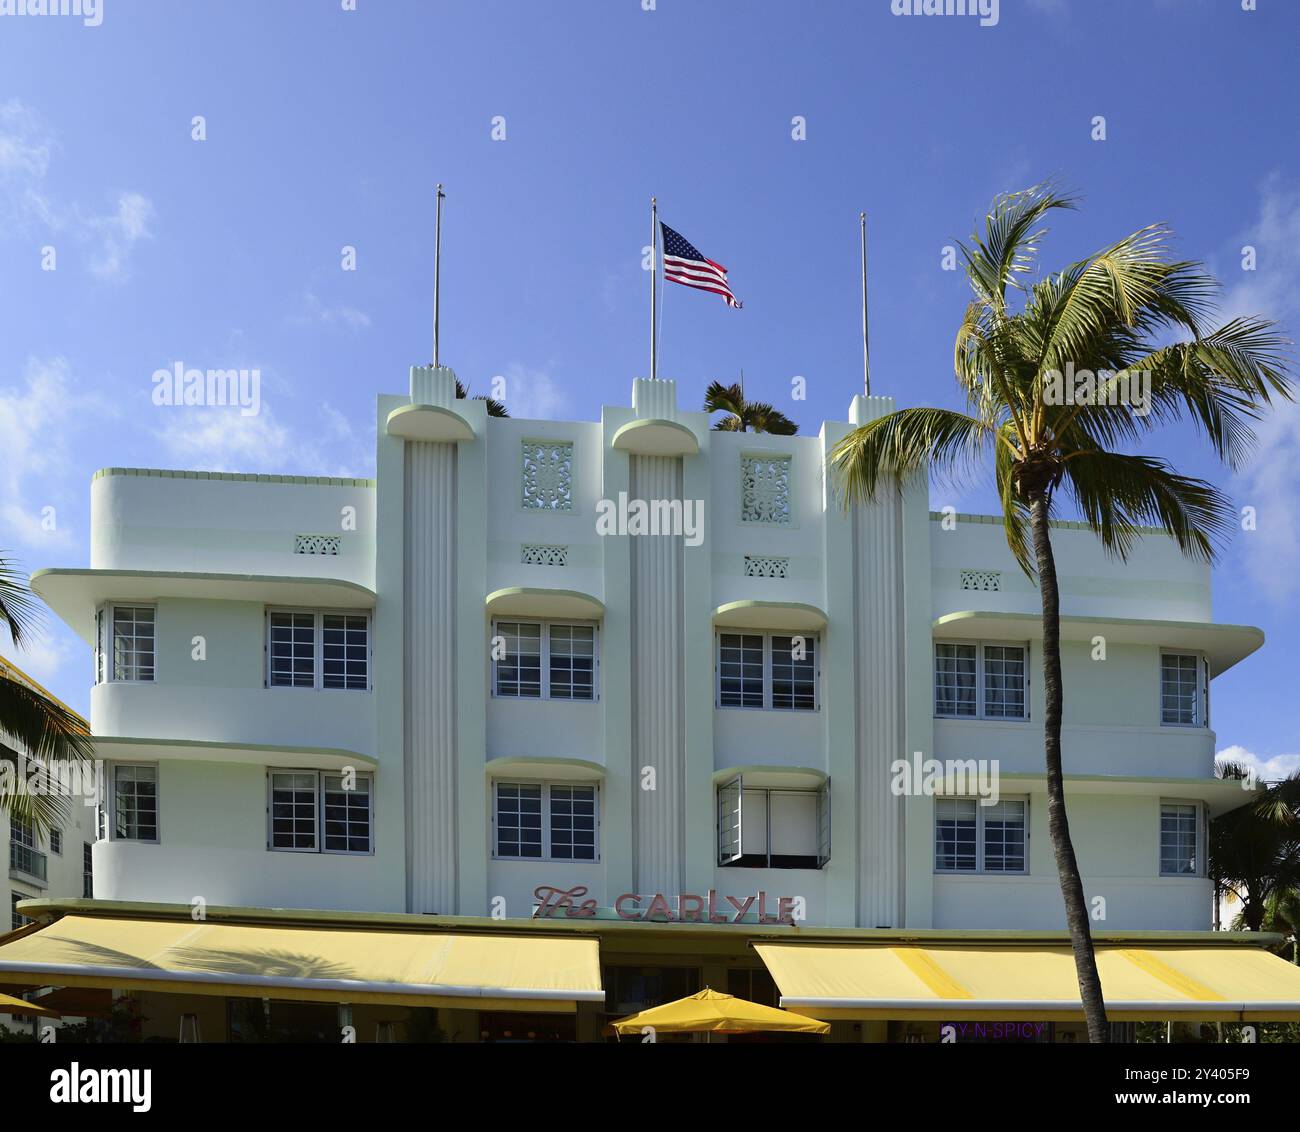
(683, 907)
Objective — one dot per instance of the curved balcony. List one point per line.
(75, 594)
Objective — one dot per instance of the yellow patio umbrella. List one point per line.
(710, 1012)
(11, 1005)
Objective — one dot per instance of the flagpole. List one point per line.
(866, 352)
(654, 299)
(437, 270)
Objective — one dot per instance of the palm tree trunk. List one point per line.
(1058, 826)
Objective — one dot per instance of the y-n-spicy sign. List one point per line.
(684, 907)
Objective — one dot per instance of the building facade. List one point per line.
(648, 665)
(43, 863)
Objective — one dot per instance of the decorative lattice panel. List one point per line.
(989, 580)
(316, 544)
(536, 554)
(765, 489)
(766, 566)
(548, 475)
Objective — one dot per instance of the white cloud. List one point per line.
(531, 393)
(36, 419)
(1270, 484)
(1266, 769)
(117, 234)
(315, 312)
(222, 439)
(27, 205)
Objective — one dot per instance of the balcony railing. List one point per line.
(26, 860)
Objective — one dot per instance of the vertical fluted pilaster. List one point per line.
(658, 723)
(430, 682)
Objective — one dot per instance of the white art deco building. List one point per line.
(464, 681)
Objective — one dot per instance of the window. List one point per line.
(980, 680)
(16, 918)
(24, 857)
(539, 821)
(320, 812)
(87, 871)
(773, 828)
(974, 838)
(767, 670)
(56, 842)
(1180, 690)
(1179, 839)
(135, 802)
(132, 648)
(544, 660)
(306, 649)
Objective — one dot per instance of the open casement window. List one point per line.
(730, 801)
(773, 828)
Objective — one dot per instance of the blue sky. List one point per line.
(328, 128)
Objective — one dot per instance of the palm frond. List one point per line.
(1008, 246)
(20, 611)
(1119, 494)
(898, 445)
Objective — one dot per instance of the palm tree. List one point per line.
(743, 415)
(40, 726)
(1127, 309)
(494, 408)
(1254, 850)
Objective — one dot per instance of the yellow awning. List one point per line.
(405, 968)
(1000, 982)
(712, 1012)
(11, 1005)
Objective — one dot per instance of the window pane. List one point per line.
(519, 671)
(133, 642)
(293, 650)
(293, 811)
(573, 823)
(87, 871)
(519, 820)
(1178, 688)
(729, 822)
(954, 835)
(794, 673)
(1177, 840)
(1004, 838)
(1004, 682)
(345, 651)
(573, 662)
(347, 814)
(954, 680)
(135, 802)
(740, 670)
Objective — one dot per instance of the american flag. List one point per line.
(684, 264)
